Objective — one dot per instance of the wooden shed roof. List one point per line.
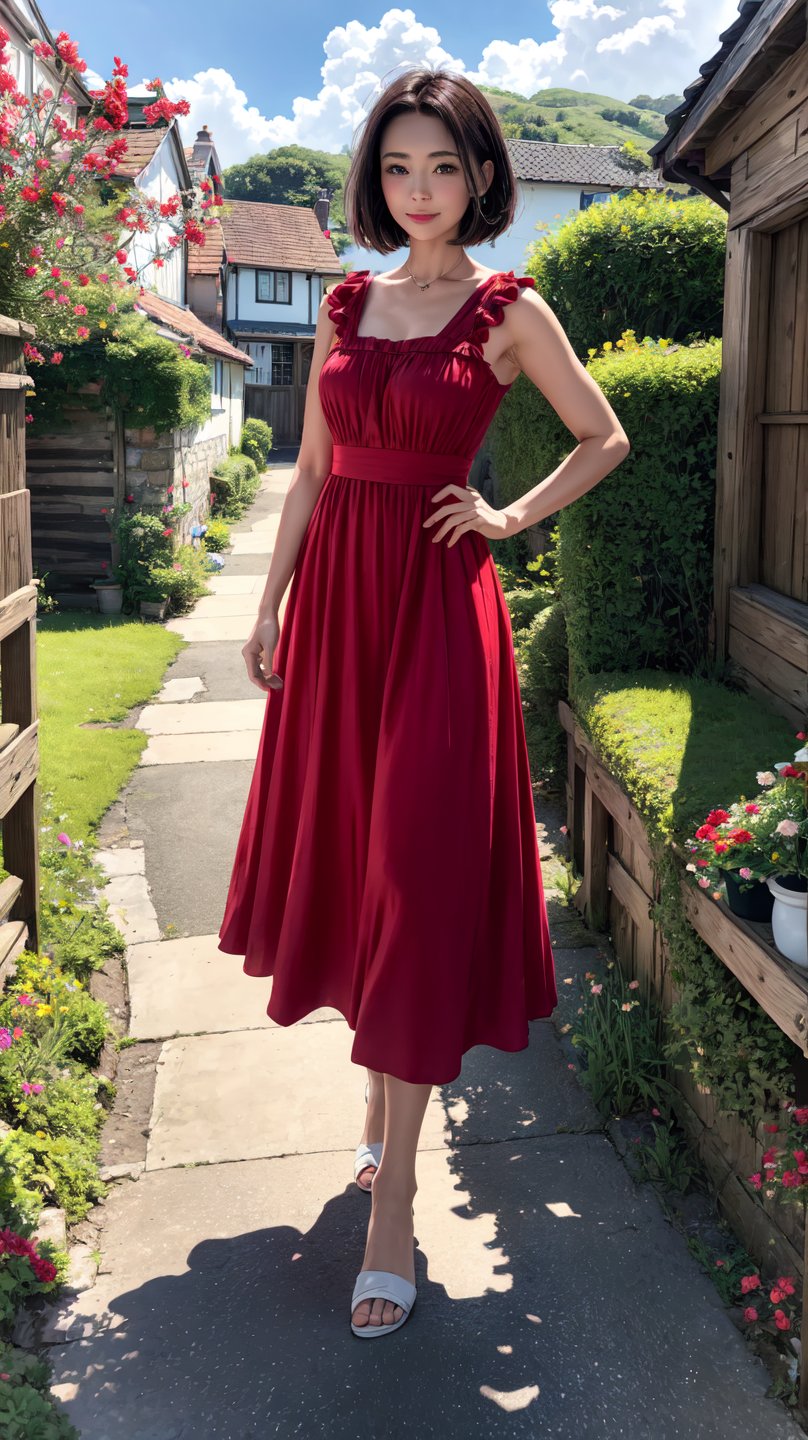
(752, 49)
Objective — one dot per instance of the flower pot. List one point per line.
(110, 596)
(153, 609)
(754, 903)
(789, 916)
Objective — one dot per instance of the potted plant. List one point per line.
(758, 849)
(728, 848)
(110, 595)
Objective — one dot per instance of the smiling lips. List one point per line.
(420, 217)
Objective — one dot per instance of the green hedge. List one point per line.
(679, 745)
(639, 260)
(635, 552)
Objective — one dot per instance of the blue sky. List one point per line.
(261, 76)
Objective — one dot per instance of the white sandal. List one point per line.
(367, 1156)
(382, 1285)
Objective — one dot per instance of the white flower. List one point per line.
(765, 777)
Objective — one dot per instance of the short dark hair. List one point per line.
(475, 130)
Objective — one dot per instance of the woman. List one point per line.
(387, 864)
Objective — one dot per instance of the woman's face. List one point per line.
(423, 176)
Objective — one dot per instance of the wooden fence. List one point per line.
(19, 725)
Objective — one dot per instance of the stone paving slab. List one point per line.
(553, 1301)
(276, 1091)
(210, 607)
(235, 628)
(188, 881)
(220, 666)
(176, 690)
(206, 717)
(189, 987)
(198, 749)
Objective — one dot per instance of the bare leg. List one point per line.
(390, 1232)
(374, 1123)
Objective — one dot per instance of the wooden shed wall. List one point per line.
(761, 549)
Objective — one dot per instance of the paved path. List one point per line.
(553, 1297)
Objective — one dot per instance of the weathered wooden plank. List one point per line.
(16, 608)
(785, 92)
(770, 672)
(779, 987)
(19, 767)
(776, 621)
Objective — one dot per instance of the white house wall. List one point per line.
(227, 420)
(306, 295)
(537, 202)
(159, 180)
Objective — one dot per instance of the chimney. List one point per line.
(203, 146)
(321, 205)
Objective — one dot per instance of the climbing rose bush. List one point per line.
(63, 242)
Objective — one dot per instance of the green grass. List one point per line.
(681, 745)
(93, 668)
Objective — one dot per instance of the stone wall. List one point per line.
(155, 462)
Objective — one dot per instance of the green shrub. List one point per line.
(61, 1169)
(28, 1409)
(256, 441)
(217, 536)
(678, 745)
(541, 662)
(143, 547)
(234, 484)
(635, 552)
(641, 260)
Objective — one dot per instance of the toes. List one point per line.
(376, 1312)
(361, 1313)
(369, 1171)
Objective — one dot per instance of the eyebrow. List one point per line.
(403, 154)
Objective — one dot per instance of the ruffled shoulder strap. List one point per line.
(344, 302)
(503, 290)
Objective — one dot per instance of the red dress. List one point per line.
(388, 863)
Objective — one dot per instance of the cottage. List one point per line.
(276, 263)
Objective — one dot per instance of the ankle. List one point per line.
(392, 1189)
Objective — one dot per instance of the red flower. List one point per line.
(771, 1128)
(781, 1320)
(740, 837)
(790, 771)
(750, 1313)
(717, 817)
(706, 832)
(801, 1114)
(749, 1282)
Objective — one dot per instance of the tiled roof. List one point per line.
(185, 323)
(206, 259)
(577, 165)
(693, 92)
(142, 144)
(271, 327)
(281, 237)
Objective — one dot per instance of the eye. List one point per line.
(444, 165)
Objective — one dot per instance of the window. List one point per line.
(273, 287)
(216, 375)
(282, 364)
(599, 197)
(272, 362)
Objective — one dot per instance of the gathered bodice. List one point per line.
(434, 393)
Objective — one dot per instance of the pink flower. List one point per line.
(772, 1129)
(756, 1180)
(787, 827)
(750, 1313)
(745, 873)
(596, 989)
(633, 984)
(749, 1282)
(781, 1320)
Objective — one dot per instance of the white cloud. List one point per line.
(618, 50)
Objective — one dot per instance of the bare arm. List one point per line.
(310, 473)
(542, 349)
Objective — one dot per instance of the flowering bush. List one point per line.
(63, 255)
(767, 835)
(22, 1271)
(784, 1166)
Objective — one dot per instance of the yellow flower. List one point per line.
(607, 344)
(776, 855)
(44, 1009)
(102, 324)
(79, 984)
(41, 1134)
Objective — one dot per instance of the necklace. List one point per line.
(437, 277)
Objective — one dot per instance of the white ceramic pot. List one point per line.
(789, 918)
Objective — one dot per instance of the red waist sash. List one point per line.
(401, 467)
